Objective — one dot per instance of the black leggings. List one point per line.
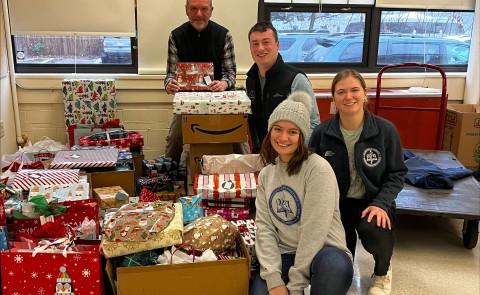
(376, 240)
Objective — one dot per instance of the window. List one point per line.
(325, 38)
(67, 54)
(51, 36)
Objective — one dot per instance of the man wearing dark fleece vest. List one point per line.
(270, 81)
(198, 40)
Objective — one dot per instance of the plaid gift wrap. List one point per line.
(53, 271)
(85, 159)
(24, 179)
(226, 102)
(89, 101)
(155, 184)
(226, 186)
(194, 76)
(228, 213)
(192, 208)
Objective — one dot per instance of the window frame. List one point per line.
(371, 36)
(23, 68)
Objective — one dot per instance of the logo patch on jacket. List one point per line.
(329, 153)
(284, 205)
(371, 157)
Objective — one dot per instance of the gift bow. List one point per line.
(44, 208)
(66, 243)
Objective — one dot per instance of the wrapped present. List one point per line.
(194, 76)
(226, 186)
(155, 184)
(38, 270)
(192, 208)
(233, 163)
(26, 178)
(89, 101)
(248, 229)
(141, 227)
(111, 196)
(229, 203)
(75, 215)
(61, 192)
(228, 213)
(76, 131)
(210, 232)
(85, 159)
(227, 102)
(120, 138)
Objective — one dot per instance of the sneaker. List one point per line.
(382, 285)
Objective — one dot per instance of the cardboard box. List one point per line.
(205, 278)
(198, 150)
(214, 128)
(462, 133)
(123, 178)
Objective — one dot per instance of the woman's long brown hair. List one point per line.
(268, 154)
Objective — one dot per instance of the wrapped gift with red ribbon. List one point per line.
(226, 186)
(120, 138)
(231, 214)
(75, 215)
(76, 131)
(47, 268)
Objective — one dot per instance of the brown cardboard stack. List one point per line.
(462, 133)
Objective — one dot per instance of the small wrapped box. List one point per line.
(62, 192)
(227, 102)
(111, 196)
(230, 214)
(194, 76)
(226, 186)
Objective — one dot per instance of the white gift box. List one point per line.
(226, 102)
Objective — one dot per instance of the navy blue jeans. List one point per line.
(331, 273)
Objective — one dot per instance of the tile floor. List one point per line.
(429, 259)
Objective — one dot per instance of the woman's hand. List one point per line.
(382, 217)
(280, 290)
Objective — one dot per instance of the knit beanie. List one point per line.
(296, 109)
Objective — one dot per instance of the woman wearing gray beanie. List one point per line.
(300, 240)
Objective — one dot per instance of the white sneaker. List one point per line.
(382, 285)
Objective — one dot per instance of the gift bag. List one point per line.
(51, 271)
(76, 213)
(226, 186)
(192, 208)
(26, 178)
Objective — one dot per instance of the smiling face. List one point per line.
(349, 96)
(199, 13)
(285, 137)
(264, 49)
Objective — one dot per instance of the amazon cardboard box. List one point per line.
(203, 278)
(214, 128)
(462, 133)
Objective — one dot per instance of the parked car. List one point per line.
(392, 49)
(117, 50)
(295, 47)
